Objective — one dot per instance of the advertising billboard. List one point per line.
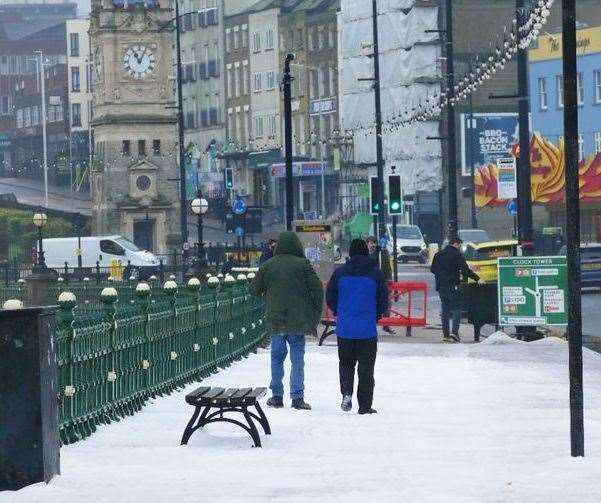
(485, 137)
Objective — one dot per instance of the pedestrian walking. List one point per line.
(294, 301)
(357, 295)
(382, 259)
(449, 269)
(268, 251)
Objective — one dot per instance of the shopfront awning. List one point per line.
(264, 158)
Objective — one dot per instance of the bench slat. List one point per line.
(213, 393)
(226, 395)
(256, 393)
(242, 392)
(197, 393)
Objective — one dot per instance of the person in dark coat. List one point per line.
(293, 304)
(357, 294)
(382, 258)
(450, 268)
(268, 251)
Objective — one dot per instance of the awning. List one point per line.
(264, 158)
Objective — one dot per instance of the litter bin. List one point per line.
(480, 302)
(29, 442)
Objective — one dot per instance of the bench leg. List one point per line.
(408, 331)
(327, 331)
(254, 433)
(263, 420)
(190, 427)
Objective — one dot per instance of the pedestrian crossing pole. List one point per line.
(570, 115)
(287, 83)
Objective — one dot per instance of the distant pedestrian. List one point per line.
(357, 294)
(268, 251)
(449, 268)
(294, 301)
(382, 259)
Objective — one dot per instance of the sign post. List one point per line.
(532, 291)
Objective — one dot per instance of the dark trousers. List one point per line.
(363, 352)
(451, 302)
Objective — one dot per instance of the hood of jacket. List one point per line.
(360, 265)
(289, 244)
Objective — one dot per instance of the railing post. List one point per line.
(161, 271)
(64, 357)
(6, 273)
(108, 297)
(66, 272)
(97, 272)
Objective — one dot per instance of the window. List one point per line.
(598, 142)
(35, 115)
(256, 42)
(311, 41)
(559, 80)
(74, 45)
(4, 105)
(20, 118)
(272, 125)
(597, 79)
(27, 117)
(269, 40)
(332, 36)
(580, 147)
(270, 80)
(75, 115)
(320, 38)
(244, 35)
(230, 81)
(111, 248)
(542, 93)
(156, 147)
(125, 147)
(300, 42)
(258, 127)
(75, 85)
(257, 82)
(245, 78)
(142, 148)
(236, 37)
(228, 33)
(580, 84)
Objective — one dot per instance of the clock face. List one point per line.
(139, 61)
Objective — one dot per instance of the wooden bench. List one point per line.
(231, 400)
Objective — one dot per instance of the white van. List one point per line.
(103, 249)
(410, 243)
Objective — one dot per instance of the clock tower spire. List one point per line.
(134, 174)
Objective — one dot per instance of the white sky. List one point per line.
(83, 7)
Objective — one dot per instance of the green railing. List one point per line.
(111, 361)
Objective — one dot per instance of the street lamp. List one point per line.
(40, 220)
(200, 206)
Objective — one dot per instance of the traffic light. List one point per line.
(395, 198)
(229, 178)
(374, 200)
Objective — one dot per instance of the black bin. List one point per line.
(480, 302)
(29, 441)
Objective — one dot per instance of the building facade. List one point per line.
(134, 180)
(81, 87)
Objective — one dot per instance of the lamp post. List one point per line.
(40, 220)
(200, 206)
(79, 222)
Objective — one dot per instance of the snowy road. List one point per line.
(457, 423)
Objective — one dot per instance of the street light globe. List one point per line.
(40, 219)
(199, 205)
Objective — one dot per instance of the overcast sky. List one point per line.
(83, 7)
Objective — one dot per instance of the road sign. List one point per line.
(239, 206)
(532, 291)
(512, 208)
(383, 242)
(239, 232)
(507, 185)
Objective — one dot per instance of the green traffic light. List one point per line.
(395, 206)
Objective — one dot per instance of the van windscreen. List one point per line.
(127, 244)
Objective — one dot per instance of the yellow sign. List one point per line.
(313, 228)
(588, 41)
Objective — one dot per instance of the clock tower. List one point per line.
(134, 175)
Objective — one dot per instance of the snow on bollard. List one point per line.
(108, 292)
(170, 286)
(251, 275)
(12, 304)
(142, 287)
(213, 282)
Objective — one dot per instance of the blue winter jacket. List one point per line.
(358, 296)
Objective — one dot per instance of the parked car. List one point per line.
(590, 263)
(473, 235)
(410, 243)
(482, 257)
(58, 251)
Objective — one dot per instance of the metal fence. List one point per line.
(113, 359)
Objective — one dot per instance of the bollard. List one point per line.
(29, 442)
(97, 272)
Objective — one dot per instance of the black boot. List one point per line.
(367, 411)
(276, 402)
(300, 404)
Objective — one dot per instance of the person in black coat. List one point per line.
(268, 251)
(449, 268)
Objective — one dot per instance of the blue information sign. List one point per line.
(239, 206)
(512, 207)
(383, 242)
(239, 231)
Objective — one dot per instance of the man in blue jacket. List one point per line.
(358, 296)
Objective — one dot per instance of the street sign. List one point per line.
(512, 208)
(239, 206)
(532, 291)
(507, 185)
(383, 242)
(239, 232)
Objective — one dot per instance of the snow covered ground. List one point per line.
(456, 423)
